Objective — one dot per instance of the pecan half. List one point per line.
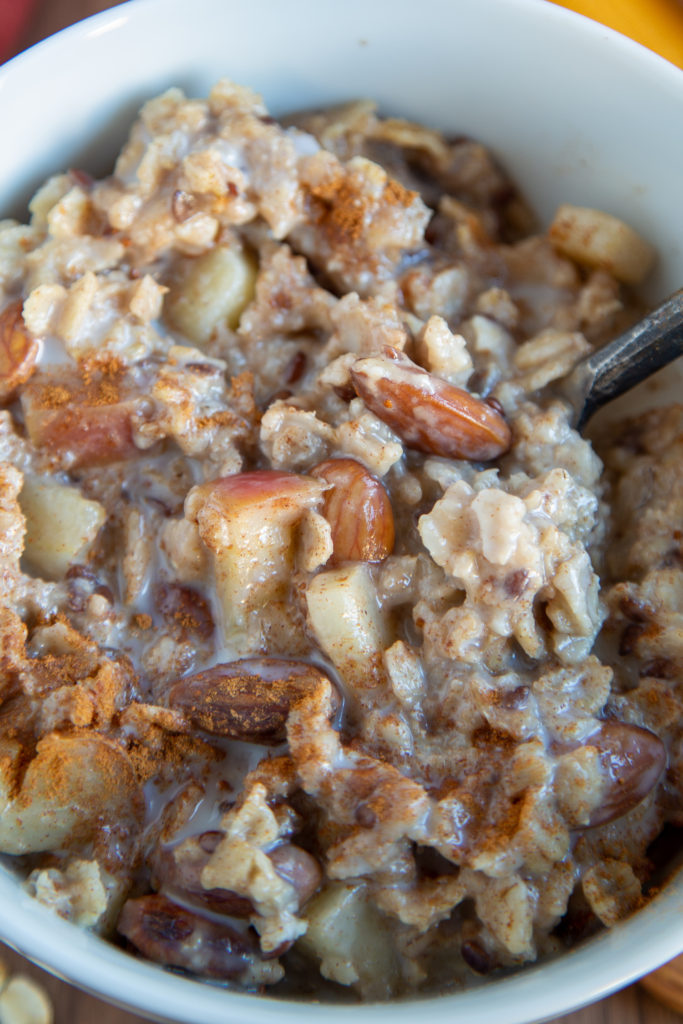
(176, 937)
(428, 413)
(248, 699)
(18, 351)
(358, 509)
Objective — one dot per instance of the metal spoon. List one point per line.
(653, 342)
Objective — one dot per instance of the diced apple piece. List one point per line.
(597, 239)
(61, 525)
(248, 522)
(352, 940)
(212, 289)
(348, 623)
(75, 423)
(18, 351)
(75, 785)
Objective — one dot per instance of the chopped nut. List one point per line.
(146, 299)
(445, 353)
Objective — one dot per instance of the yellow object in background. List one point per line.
(657, 24)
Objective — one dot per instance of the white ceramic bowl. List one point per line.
(576, 112)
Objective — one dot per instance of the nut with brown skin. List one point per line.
(358, 509)
(632, 759)
(297, 867)
(428, 413)
(248, 699)
(177, 871)
(18, 351)
(185, 612)
(176, 937)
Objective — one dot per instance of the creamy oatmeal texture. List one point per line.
(309, 678)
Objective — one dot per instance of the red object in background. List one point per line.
(14, 17)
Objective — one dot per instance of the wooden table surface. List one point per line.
(632, 1006)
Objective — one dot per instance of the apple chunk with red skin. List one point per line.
(249, 523)
(76, 424)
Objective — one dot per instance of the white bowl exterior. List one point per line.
(539, 993)
(576, 113)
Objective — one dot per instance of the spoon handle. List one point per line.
(653, 342)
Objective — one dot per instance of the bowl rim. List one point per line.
(524, 997)
(634, 947)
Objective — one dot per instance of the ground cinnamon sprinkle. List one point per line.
(107, 393)
(398, 194)
(486, 736)
(54, 396)
(82, 709)
(101, 379)
(157, 749)
(55, 670)
(97, 382)
(223, 418)
(186, 620)
(492, 834)
(110, 681)
(342, 210)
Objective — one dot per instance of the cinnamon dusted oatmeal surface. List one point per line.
(307, 665)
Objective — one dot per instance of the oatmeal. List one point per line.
(330, 649)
